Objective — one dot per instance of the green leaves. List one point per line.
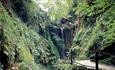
(58, 8)
(22, 43)
(101, 31)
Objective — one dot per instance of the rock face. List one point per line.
(30, 41)
(21, 47)
(111, 54)
(18, 8)
(97, 29)
(61, 37)
(3, 60)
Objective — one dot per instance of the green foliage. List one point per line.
(97, 6)
(58, 7)
(58, 41)
(65, 67)
(22, 43)
(101, 31)
(31, 7)
(26, 48)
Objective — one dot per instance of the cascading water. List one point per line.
(62, 33)
(62, 36)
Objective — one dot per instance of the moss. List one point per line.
(97, 33)
(22, 43)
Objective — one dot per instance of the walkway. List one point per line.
(91, 65)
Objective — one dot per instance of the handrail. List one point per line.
(96, 51)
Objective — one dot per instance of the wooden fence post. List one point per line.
(71, 57)
(96, 57)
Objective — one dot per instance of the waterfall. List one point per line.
(62, 33)
(63, 49)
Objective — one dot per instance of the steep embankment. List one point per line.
(97, 29)
(21, 47)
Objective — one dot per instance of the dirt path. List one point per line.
(92, 64)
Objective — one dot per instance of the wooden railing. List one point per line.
(96, 52)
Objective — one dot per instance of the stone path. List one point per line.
(92, 64)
